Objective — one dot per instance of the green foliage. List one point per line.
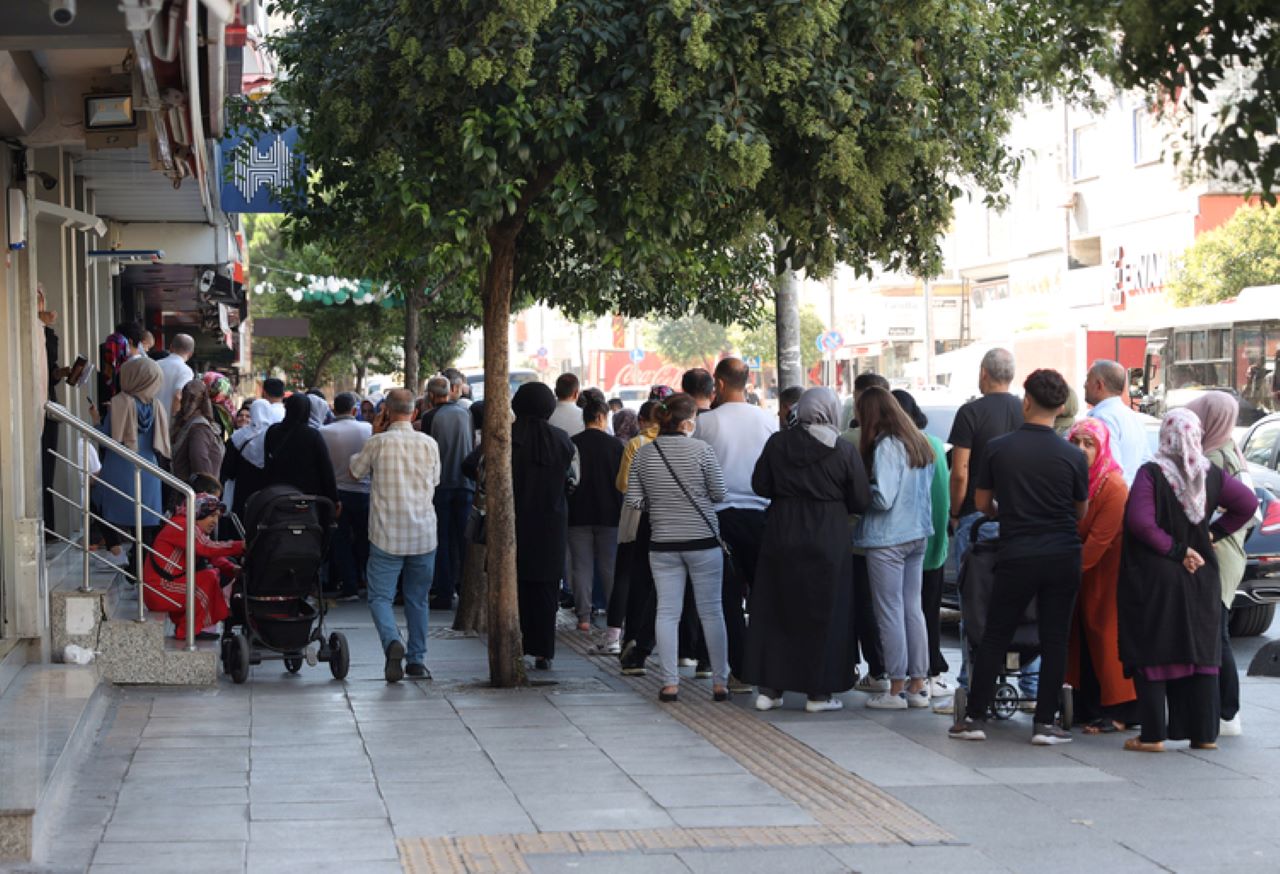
(691, 341)
(1241, 253)
(762, 339)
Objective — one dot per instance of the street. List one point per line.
(586, 771)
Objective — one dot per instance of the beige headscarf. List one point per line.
(140, 380)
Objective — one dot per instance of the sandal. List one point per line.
(1138, 745)
(1103, 726)
(1204, 746)
(669, 697)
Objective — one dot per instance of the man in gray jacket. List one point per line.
(450, 425)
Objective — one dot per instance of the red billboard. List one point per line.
(613, 368)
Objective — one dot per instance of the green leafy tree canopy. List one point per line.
(1243, 252)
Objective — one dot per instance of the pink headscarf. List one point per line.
(1217, 412)
(1104, 464)
(1182, 461)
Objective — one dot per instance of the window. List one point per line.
(1147, 138)
(1260, 448)
(1084, 152)
(1085, 252)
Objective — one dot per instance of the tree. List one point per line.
(634, 157)
(760, 340)
(1243, 252)
(692, 340)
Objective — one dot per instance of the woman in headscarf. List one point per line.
(243, 465)
(224, 408)
(1104, 696)
(935, 548)
(1063, 421)
(166, 570)
(1217, 412)
(626, 424)
(197, 446)
(1169, 596)
(319, 410)
(543, 472)
(801, 635)
(137, 420)
(297, 454)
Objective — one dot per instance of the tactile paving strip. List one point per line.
(849, 810)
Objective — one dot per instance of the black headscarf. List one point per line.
(531, 435)
(911, 408)
(297, 415)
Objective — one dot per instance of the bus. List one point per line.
(1232, 347)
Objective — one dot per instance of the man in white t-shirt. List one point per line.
(174, 369)
(567, 415)
(737, 431)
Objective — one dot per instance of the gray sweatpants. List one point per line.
(591, 551)
(896, 573)
(704, 568)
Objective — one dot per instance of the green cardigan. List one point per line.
(935, 550)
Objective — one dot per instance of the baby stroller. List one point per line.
(976, 585)
(286, 540)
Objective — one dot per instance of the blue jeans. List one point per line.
(383, 570)
(350, 542)
(452, 508)
(704, 568)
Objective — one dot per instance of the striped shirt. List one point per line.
(404, 466)
(674, 521)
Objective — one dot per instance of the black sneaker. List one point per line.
(394, 671)
(633, 662)
(1049, 735)
(440, 604)
(702, 671)
(968, 729)
(415, 671)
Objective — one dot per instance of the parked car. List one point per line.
(632, 397)
(516, 379)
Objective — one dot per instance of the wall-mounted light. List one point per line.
(108, 111)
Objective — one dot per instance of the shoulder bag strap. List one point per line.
(706, 521)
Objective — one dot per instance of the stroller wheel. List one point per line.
(240, 655)
(1005, 704)
(293, 664)
(339, 655)
(1066, 705)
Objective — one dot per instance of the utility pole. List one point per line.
(787, 323)
(928, 332)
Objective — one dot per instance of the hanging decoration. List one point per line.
(327, 290)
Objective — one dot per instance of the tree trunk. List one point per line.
(412, 310)
(361, 371)
(506, 661)
(787, 324)
(473, 600)
(315, 376)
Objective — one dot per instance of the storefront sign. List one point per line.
(615, 369)
(1137, 273)
(259, 172)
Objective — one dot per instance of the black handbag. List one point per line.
(729, 563)
(475, 529)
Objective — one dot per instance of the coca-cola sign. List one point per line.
(614, 369)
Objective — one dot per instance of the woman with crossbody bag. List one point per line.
(677, 480)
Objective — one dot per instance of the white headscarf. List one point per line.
(319, 411)
(818, 412)
(1182, 461)
(251, 439)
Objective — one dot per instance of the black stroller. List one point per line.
(286, 541)
(976, 583)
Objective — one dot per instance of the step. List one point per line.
(48, 718)
(135, 653)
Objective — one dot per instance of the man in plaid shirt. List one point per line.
(404, 467)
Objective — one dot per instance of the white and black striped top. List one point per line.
(676, 525)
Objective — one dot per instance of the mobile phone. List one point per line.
(76, 372)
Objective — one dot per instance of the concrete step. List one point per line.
(139, 653)
(48, 718)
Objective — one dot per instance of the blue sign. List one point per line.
(637, 355)
(755, 362)
(830, 341)
(253, 177)
(542, 352)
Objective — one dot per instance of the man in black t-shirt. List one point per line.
(1037, 485)
(979, 422)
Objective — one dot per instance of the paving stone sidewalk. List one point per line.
(588, 772)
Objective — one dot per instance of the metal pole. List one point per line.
(928, 333)
(787, 327)
(86, 514)
(191, 570)
(137, 541)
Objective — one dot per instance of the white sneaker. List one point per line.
(918, 699)
(940, 688)
(888, 701)
(764, 702)
(608, 647)
(812, 706)
(945, 707)
(1230, 727)
(119, 559)
(687, 663)
(871, 685)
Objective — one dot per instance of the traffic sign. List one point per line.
(755, 362)
(830, 341)
(542, 352)
(637, 355)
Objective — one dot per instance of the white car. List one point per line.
(632, 396)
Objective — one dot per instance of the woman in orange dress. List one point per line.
(165, 571)
(1105, 699)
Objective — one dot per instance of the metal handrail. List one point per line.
(59, 413)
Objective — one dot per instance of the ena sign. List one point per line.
(1137, 274)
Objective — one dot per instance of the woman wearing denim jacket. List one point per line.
(893, 531)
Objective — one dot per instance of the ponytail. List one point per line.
(673, 412)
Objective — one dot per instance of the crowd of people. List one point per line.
(801, 552)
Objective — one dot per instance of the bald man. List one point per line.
(174, 368)
(1103, 387)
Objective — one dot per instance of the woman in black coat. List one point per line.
(801, 635)
(543, 473)
(296, 454)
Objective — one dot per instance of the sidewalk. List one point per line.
(587, 772)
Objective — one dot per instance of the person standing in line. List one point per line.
(787, 399)
(1170, 593)
(568, 415)
(224, 409)
(935, 548)
(459, 388)
(626, 424)
(737, 432)
(1104, 696)
(296, 454)
(698, 384)
(1103, 389)
(403, 467)
(344, 437)
(544, 471)
(801, 635)
(197, 444)
(243, 464)
(273, 391)
(633, 604)
(977, 423)
(677, 481)
(1217, 411)
(450, 425)
(594, 510)
(893, 532)
(1037, 485)
(177, 372)
(54, 374)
